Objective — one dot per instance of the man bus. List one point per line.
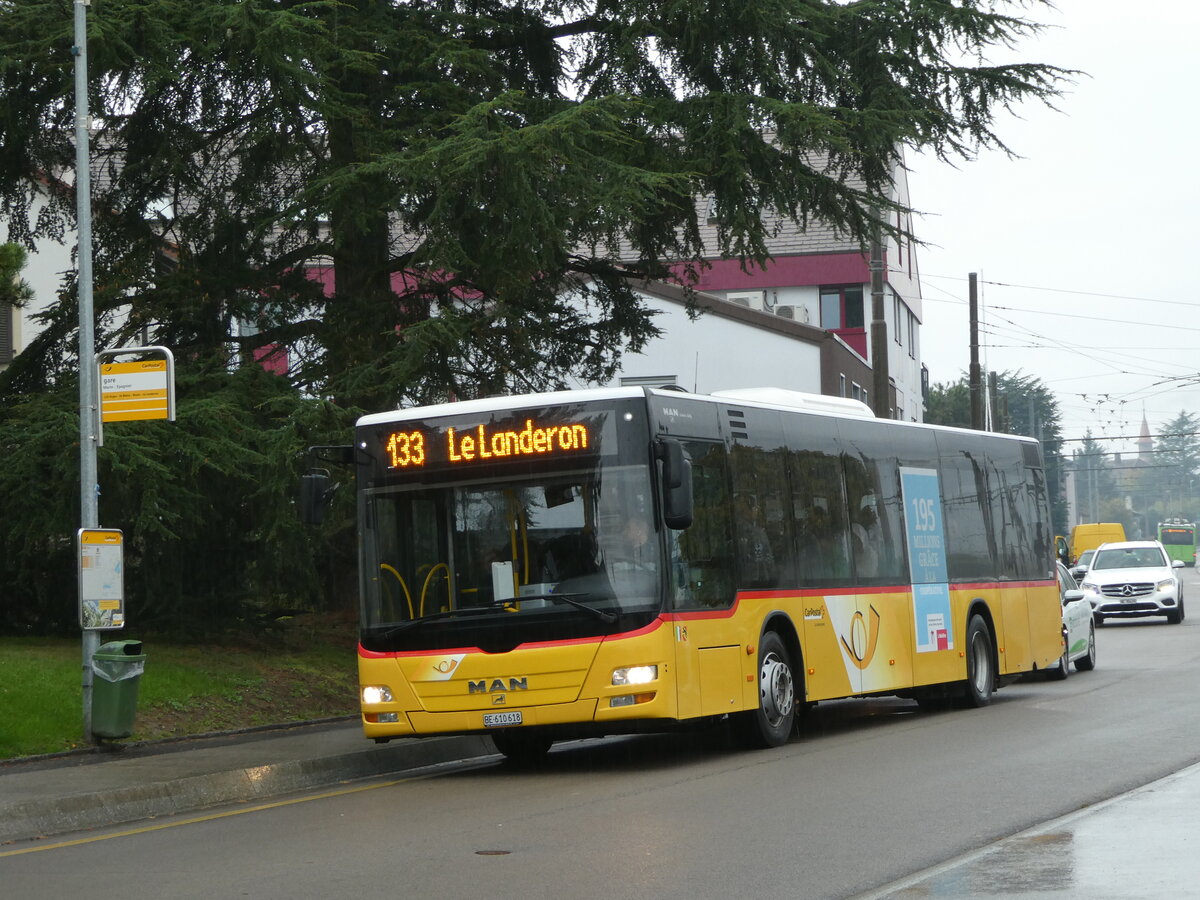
(795, 549)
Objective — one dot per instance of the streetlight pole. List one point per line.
(89, 488)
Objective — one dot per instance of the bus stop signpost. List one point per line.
(140, 389)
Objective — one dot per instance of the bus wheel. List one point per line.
(771, 724)
(981, 676)
(1063, 669)
(522, 746)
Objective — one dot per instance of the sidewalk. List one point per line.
(73, 792)
(1141, 845)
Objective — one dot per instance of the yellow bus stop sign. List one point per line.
(131, 391)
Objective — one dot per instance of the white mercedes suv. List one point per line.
(1133, 578)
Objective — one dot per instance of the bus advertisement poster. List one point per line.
(927, 559)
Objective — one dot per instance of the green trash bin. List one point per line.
(116, 671)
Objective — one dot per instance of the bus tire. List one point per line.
(522, 746)
(1063, 669)
(771, 724)
(981, 669)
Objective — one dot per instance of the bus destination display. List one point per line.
(414, 449)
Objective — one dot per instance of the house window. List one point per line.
(842, 385)
(897, 317)
(856, 391)
(912, 335)
(842, 307)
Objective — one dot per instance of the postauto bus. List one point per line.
(617, 560)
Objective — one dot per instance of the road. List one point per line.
(872, 791)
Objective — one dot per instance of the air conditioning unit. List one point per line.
(795, 313)
(753, 299)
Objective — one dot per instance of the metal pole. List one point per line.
(880, 383)
(89, 488)
(975, 376)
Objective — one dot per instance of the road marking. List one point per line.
(194, 820)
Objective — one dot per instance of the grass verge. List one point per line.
(303, 669)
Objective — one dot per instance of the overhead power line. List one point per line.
(1129, 437)
(1034, 287)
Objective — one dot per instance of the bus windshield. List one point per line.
(540, 550)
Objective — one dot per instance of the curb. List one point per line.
(58, 815)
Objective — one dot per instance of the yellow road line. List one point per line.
(58, 845)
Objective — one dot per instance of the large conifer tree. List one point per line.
(524, 159)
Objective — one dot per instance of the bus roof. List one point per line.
(770, 397)
(762, 396)
(505, 401)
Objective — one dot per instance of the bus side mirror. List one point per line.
(677, 484)
(314, 497)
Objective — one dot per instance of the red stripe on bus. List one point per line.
(712, 614)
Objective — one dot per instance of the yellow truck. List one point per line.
(1090, 535)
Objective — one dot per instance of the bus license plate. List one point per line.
(492, 720)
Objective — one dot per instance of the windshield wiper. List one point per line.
(433, 617)
(602, 614)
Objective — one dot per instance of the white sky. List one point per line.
(1086, 247)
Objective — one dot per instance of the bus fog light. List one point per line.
(634, 675)
(629, 700)
(376, 693)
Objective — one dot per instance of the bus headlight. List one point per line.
(634, 675)
(376, 693)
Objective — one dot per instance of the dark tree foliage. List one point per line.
(14, 290)
(513, 166)
(212, 538)
(490, 180)
(949, 404)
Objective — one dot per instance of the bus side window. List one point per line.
(705, 548)
(819, 507)
(761, 522)
(970, 543)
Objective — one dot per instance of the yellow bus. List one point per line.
(617, 560)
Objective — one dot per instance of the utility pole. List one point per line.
(89, 415)
(996, 411)
(975, 377)
(880, 389)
